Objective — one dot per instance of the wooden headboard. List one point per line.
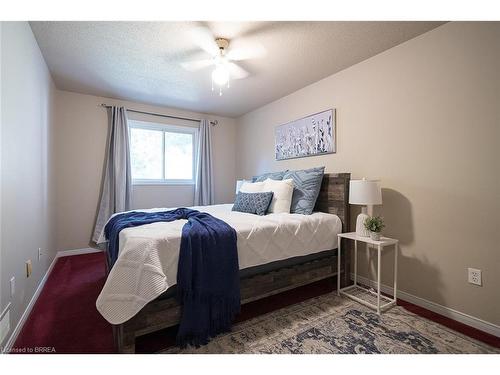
(334, 197)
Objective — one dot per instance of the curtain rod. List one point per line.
(214, 122)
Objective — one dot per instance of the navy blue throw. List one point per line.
(208, 283)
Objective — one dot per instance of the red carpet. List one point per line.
(65, 320)
(65, 317)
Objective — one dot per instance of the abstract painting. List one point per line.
(308, 136)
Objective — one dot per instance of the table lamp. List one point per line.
(366, 193)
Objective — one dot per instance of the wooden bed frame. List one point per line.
(163, 313)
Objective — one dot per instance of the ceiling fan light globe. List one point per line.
(220, 75)
(219, 60)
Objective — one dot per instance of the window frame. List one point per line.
(165, 128)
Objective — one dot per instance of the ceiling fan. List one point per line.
(221, 58)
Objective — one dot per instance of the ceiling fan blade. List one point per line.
(245, 52)
(203, 38)
(236, 71)
(196, 64)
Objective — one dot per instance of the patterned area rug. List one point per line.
(330, 324)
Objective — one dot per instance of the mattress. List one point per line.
(148, 255)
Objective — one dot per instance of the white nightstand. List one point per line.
(359, 293)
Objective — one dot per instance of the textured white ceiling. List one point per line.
(140, 61)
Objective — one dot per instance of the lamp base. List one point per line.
(360, 225)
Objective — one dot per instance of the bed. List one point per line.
(276, 252)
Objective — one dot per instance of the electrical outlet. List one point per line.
(29, 268)
(12, 286)
(39, 253)
(475, 276)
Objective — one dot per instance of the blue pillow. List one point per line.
(272, 175)
(307, 183)
(253, 203)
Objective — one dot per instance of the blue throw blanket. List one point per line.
(208, 283)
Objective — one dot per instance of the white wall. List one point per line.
(424, 117)
(27, 201)
(80, 144)
(2, 281)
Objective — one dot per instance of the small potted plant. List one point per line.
(374, 224)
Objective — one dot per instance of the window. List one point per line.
(162, 154)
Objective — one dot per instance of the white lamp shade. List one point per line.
(238, 185)
(365, 192)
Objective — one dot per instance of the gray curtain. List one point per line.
(117, 181)
(204, 188)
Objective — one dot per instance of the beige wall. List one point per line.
(424, 117)
(27, 93)
(80, 149)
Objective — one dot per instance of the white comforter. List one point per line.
(148, 255)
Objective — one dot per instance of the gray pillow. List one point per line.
(253, 203)
(307, 183)
(272, 175)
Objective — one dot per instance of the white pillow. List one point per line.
(239, 184)
(252, 187)
(282, 195)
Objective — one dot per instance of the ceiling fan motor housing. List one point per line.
(222, 43)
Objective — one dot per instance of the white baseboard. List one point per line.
(13, 337)
(15, 333)
(86, 250)
(458, 316)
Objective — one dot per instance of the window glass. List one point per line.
(178, 156)
(146, 149)
(161, 153)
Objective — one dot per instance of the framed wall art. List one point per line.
(308, 136)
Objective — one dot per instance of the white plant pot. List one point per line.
(375, 236)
